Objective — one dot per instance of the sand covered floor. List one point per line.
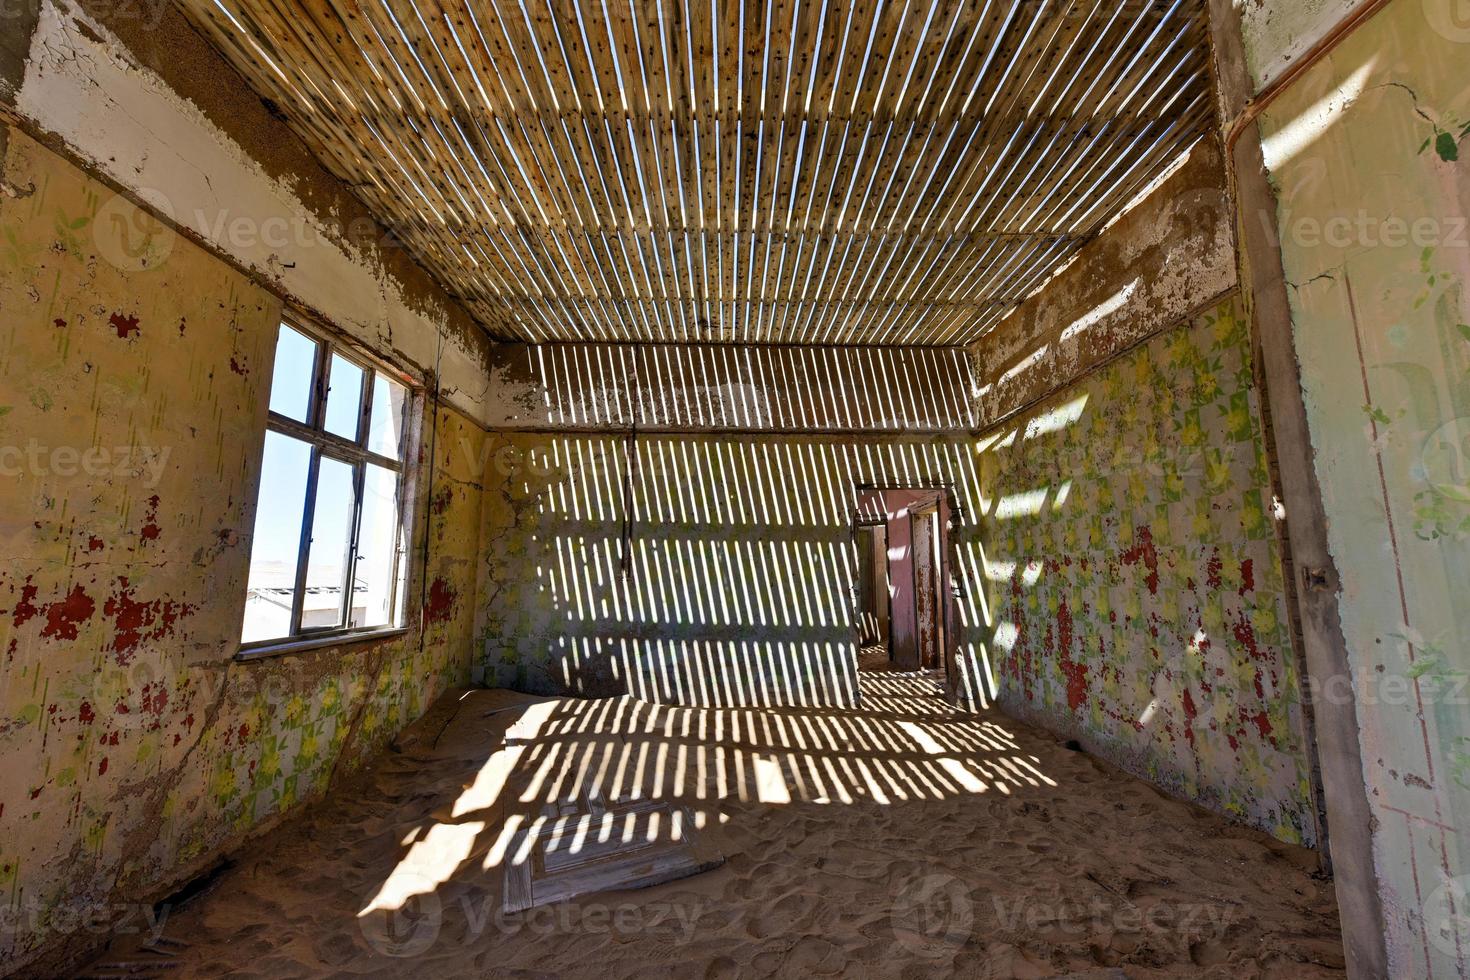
(898, 839)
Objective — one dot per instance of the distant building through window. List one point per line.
(331, 536)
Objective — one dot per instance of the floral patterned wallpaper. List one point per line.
(1135, 576)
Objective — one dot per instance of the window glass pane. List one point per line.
(331, 527)
(385, 428)
(378, 544)
(292, 376)
(344, 398)
(276, 545)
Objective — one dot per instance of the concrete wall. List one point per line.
(134, 375)
(1171, 254)
(1277, 34)
(1367, 152)
(1136, 581)
(742, 578)
(134, 95)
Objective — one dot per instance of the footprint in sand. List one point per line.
(721, 968)
(784, 915)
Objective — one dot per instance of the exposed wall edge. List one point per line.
(1169, 257)
(90, 95)
(1184, 319)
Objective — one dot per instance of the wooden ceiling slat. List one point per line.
(873, 171)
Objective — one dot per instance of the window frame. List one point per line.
(356, 454)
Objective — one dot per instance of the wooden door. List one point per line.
(927, 606)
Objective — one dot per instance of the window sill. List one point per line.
(301, 645)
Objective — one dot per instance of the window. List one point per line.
(330, 545)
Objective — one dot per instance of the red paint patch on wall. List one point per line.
(239, 368)
(151, 530)
(94, 543)
(440, 605)
(126, 326)
(155, 699)
(26, 609)
(64, 616)
(1076, 673)
(1245, 635)
(1262, 723)
(60, 323)
(135, 622)
(1191, 711)
(1213, 567)
(1143, 551)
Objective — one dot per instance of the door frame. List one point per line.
(951, 596)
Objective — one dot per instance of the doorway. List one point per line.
(905, 613)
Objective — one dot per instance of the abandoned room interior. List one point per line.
(625, 488)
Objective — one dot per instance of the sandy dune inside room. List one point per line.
(895, 839)
(559, 488)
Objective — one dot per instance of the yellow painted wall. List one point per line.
(134, 377)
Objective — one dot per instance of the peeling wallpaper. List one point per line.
(1133, 603)
(86, 87)
(1368, 151)
(1277, 33)
(1136, 576)
(1120, 574)
(1167, 257)
(133, 393)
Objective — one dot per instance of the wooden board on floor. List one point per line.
(600, 847)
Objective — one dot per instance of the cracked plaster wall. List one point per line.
(135, 95)
(136, 750)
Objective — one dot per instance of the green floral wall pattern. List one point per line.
(1135, 576)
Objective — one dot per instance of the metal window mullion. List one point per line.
(334, 444)
(317, 415)
(359, 478)
(400, 550)
(355, 453)
(303, 556)
(365, 406)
